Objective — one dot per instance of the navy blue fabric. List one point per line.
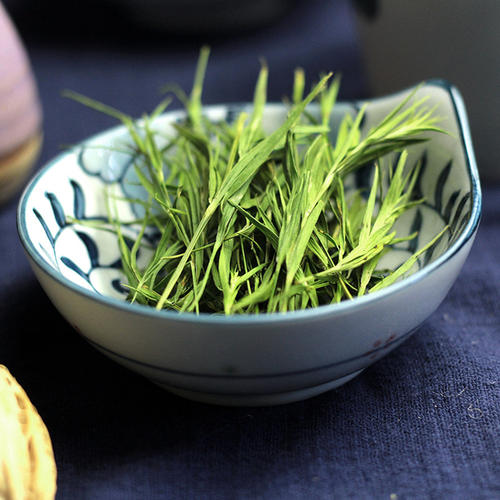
(422, 423)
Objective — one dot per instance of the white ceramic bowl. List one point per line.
(247, 359)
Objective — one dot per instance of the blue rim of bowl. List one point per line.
(291, 316)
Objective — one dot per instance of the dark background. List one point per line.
(421, 423)
(124, 62)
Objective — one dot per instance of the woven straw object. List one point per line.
(27, 466)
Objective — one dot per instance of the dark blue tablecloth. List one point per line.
(422, 423)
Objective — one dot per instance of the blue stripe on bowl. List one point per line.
(233, 376)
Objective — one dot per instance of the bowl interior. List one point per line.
(73, 186)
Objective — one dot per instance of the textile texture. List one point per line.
(421, 423)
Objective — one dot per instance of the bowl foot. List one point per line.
(278, 398)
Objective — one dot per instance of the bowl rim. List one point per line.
(280, 317)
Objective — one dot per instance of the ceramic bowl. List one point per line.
(247, 359)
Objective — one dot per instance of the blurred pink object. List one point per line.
(20, 111)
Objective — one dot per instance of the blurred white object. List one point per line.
(20, 112)
(406, 41)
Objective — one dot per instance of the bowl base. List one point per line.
(278, 398)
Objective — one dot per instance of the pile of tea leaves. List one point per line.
(250, 222)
